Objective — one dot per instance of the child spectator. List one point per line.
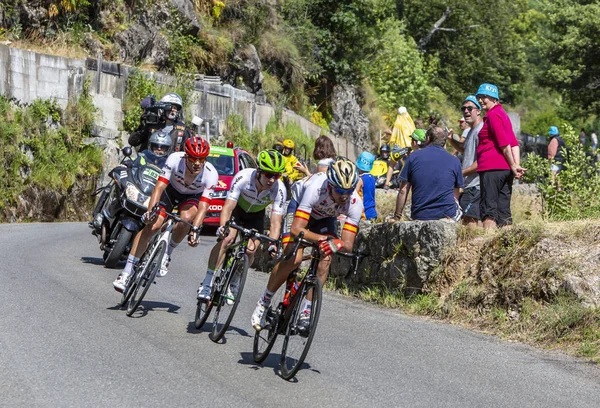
(366, 184)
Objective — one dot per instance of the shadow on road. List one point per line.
(92, 260)
(207, 328)
(272, 361)
(146, 307)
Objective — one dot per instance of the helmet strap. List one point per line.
(258, 182)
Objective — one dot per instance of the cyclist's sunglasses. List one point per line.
(270, 175)
(342, 191)
(199, 160)
(467, 108)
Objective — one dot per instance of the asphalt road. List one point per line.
(65, 343)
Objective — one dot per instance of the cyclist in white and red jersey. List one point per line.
(325, 196)
(187, 182)
(251, 192)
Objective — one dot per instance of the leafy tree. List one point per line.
(570, 51)
(398, 73)
(475, 43)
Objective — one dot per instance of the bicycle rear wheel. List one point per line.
(297, 341)
(265, 338)
(226, 306)
(146, 277)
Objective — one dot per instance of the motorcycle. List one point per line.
(118, 218)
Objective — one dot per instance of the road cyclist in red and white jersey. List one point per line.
(252, 191)
(187, 182)
(325, 196)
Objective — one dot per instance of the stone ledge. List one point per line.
(402, 255)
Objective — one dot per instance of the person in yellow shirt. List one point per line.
(294, 170)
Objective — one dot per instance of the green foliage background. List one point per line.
(43, 145)
(541, 53)
(573, 193)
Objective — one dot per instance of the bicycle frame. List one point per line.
(143, 277)
(235, 261)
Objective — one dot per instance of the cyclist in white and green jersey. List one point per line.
(251, 192)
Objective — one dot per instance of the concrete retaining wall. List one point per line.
(26, 76)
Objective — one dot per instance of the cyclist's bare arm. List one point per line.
(159, 188)
(348, 240)
(275, 230)
(227, 210)
(202, 209)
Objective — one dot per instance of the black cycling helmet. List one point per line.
(384, 151)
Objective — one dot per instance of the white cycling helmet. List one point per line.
(173, 99)
(343, 174)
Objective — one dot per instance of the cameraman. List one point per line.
(165, 115)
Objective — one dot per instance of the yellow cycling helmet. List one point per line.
(288, 143)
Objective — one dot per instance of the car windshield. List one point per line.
(223, 164)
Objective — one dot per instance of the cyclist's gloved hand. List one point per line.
(194, 236)
(149, 217)
(221, 231)
(331, 245)
(274, 251)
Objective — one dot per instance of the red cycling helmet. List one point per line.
(196, 147)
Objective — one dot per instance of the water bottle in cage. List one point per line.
(290, 288)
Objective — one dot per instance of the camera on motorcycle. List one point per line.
(127, 151)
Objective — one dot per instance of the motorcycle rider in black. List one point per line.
(166, 115)
(160, 148)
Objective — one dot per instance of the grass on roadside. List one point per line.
(511, 283)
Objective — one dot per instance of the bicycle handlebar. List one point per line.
(168, 215)
(250, 233)
(299, 240)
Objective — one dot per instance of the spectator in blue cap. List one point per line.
(556, 150)
(498, 159)
(366, 184)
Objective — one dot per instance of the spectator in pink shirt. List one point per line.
(498, 159)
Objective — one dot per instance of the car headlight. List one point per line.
(135, 195)
(219, 194)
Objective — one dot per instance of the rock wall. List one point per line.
(404, 255)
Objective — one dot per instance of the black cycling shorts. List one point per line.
(324, 226)
(255, 220)
(172, 198)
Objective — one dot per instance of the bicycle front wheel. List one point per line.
(265, 338)
(145, 278)
(228, 300)
(202, 312)
(298, 336)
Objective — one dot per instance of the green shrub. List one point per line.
(573, 194)
(255, 141)
(42, 145)
(398, 72)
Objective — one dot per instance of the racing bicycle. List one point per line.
(144, 272)
(234, 270)
(283, 315)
